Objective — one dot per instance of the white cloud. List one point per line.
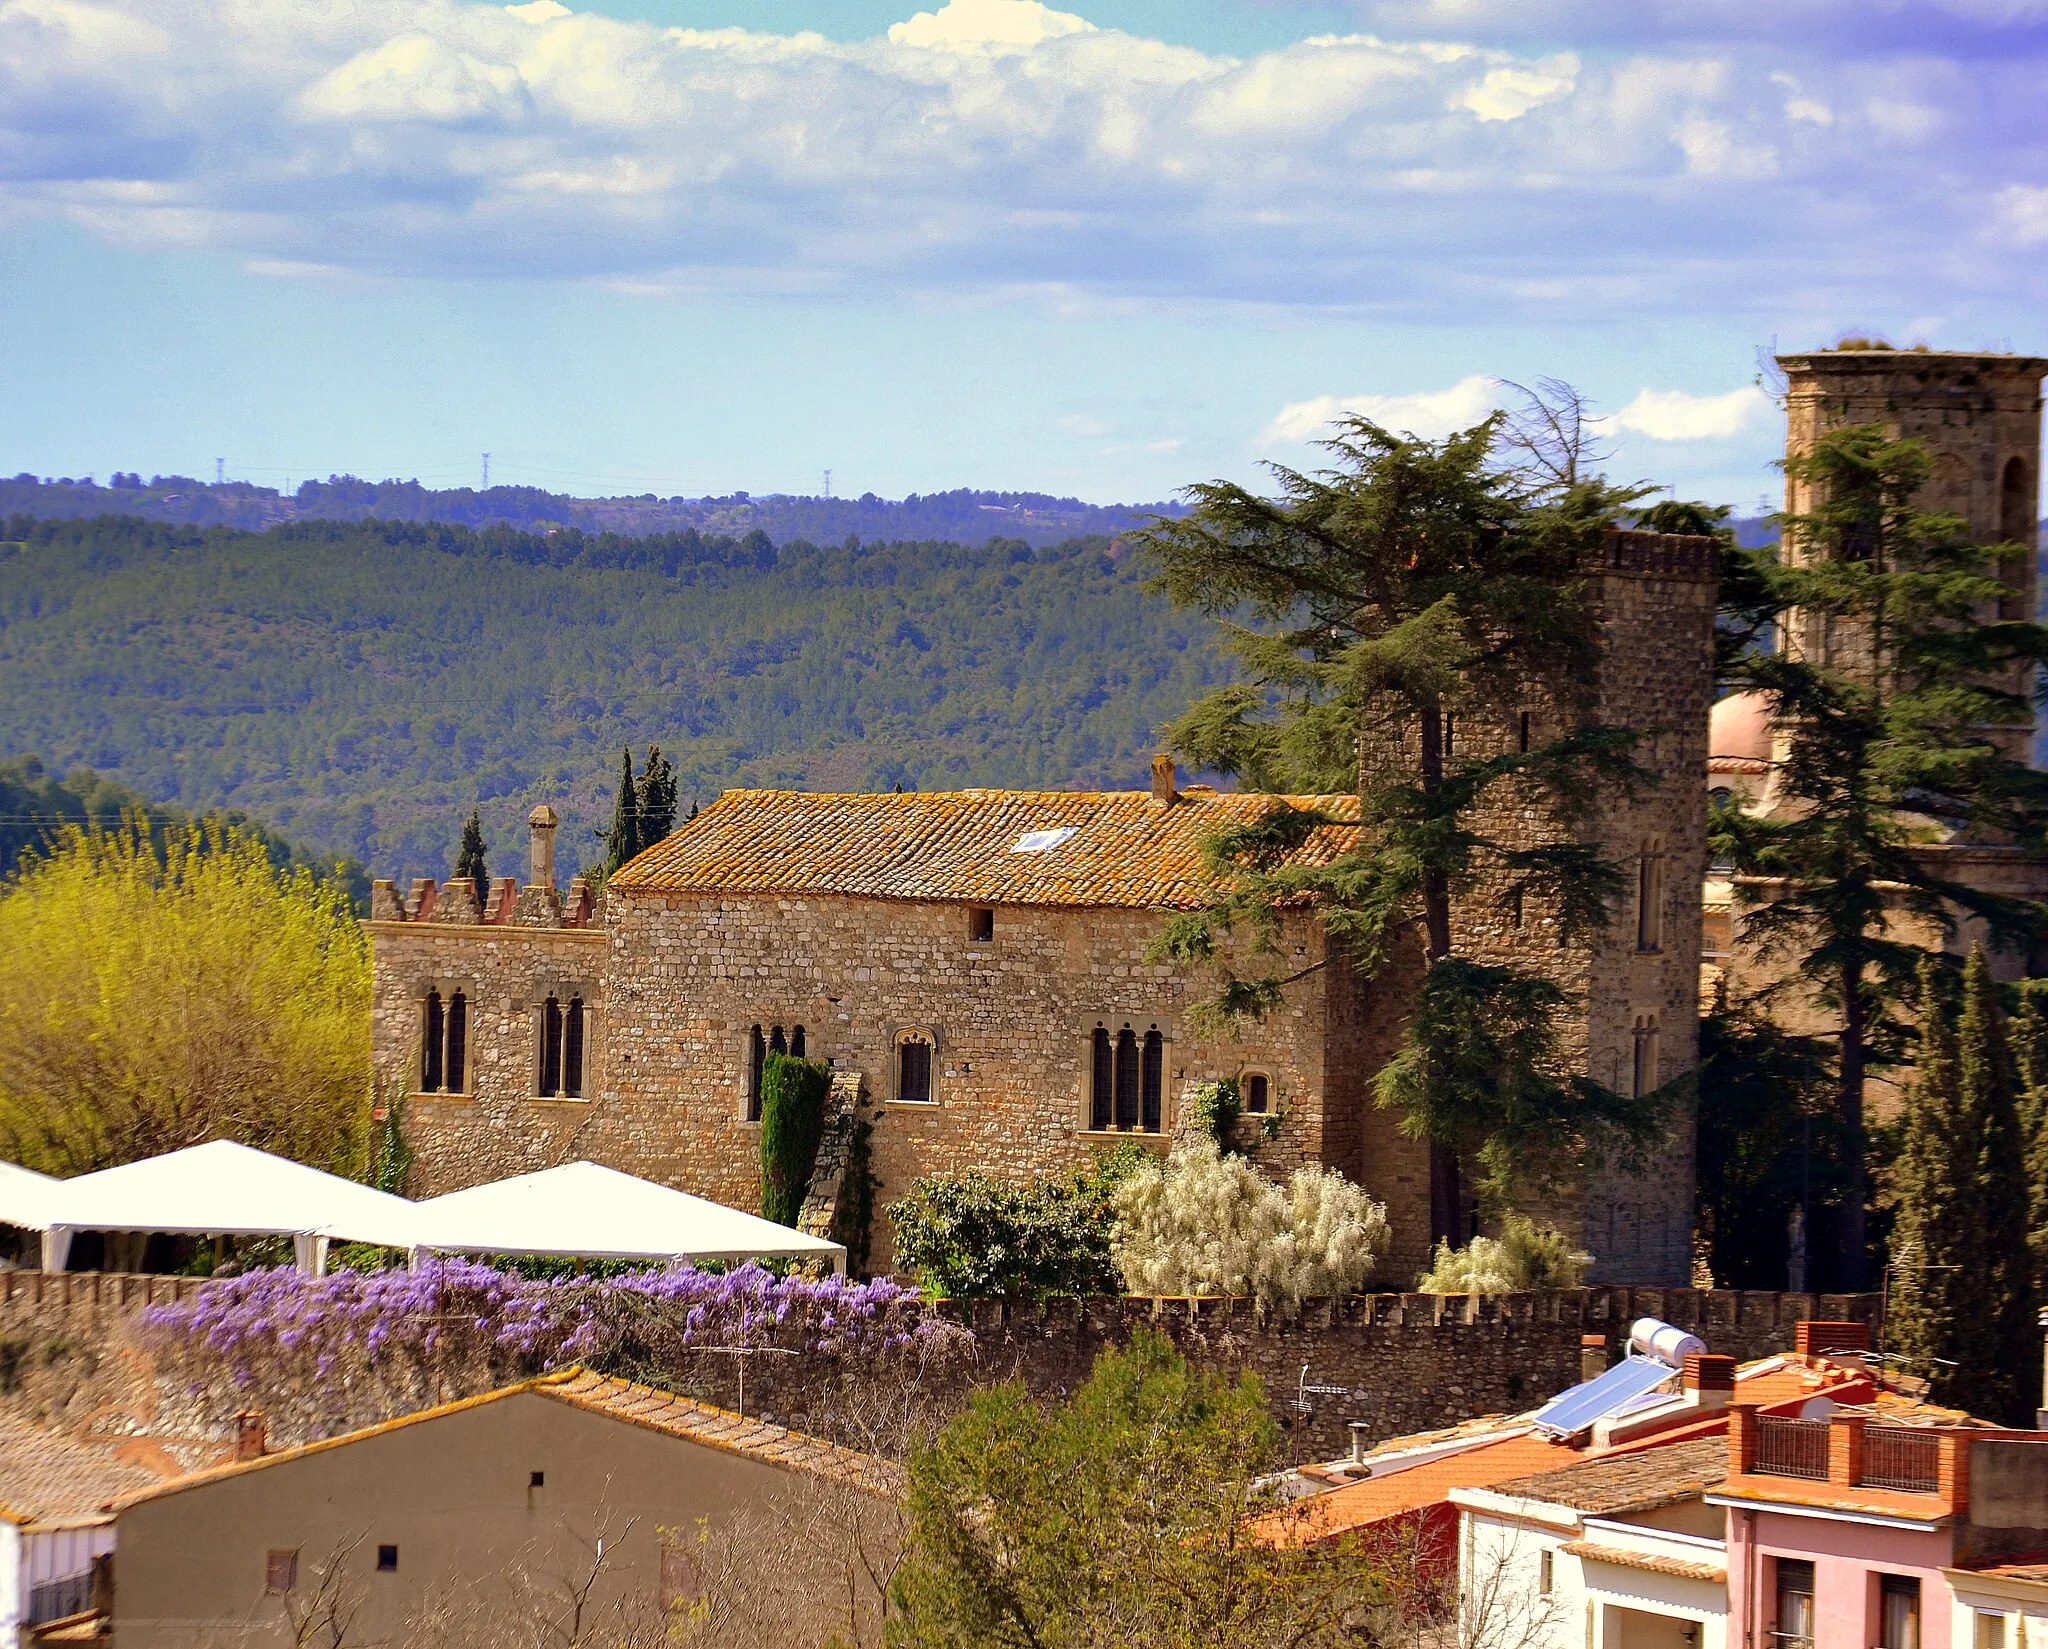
(1432, 414)
(1007, 146)
(981, 24)
(1673, 415)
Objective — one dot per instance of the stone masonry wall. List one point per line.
(1010, 1020)
(498, 1127)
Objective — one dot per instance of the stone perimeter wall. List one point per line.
(1407, 1362)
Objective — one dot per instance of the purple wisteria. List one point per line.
(278, 1329)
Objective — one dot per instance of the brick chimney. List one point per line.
(1818, 1339)
(1164, 791)
(1709, 1380)
(541, 822)
(251, 1435)
(1741, 1438)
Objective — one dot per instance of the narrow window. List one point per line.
(779, 1044)
(1101, 1081)
(1644, 1080)
(1650, 897)
(1522, 736)
(981, 924)
(1899, 1612)
(1258, 1092)
(551, 1048)
(387, 1560)
(1515, 908)
(572, 1050)
(432, 1032)
(1795, 1603)
(757, 1058)
(1151, 1081)
(1990, 1630)
(914, 1070)
(536, 1480)
(1450, 733)
(1127, 1078)
(796, 1043)
(1544, 1574)
(457, 1063)
(281, 1571)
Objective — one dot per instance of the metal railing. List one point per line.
(55, 1599)
(1791, 1448)
(1899, 1457)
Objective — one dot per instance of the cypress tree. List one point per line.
(1996, 1338)
(1928, 1237)
(657, 798)
(469, 858)
(2030, 1052)
(622, 841)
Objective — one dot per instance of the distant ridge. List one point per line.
(963, 516)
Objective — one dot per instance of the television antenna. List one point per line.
(828, 483)
(220, 471)
(484, 485)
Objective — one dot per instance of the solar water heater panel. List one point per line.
(1574, 1410)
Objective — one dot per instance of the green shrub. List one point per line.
(792, 1123)
(1524, 1256)
(969, 1236)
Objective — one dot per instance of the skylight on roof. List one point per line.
(1042, 841)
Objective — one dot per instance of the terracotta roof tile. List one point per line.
(1360, 1505)
(1122, 851)
(1656, 1565)
(46, 1477)
(1629, 1482)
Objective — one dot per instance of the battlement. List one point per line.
(506, 904)
(1664, 554)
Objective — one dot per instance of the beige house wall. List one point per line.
(453, 1494)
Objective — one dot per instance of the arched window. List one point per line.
(774, 1039)
(1255, 1089)
(444, 1043)
(456, 1061)
(1645, 1079)
(550, 1049)
(572, 1050)
(914, 1068)
(1650, 896)
(2016, 525)
(1127, 1080)
(433, 1029)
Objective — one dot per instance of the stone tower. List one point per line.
(1980, 416)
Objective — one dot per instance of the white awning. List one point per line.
(225, 1189)
(582, 1211)
(25, 1197)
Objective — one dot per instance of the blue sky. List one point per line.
(689, 246)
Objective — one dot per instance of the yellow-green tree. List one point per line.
(155, 997)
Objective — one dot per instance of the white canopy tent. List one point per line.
(25, 1197)
(227, 1190)
(586, 1212)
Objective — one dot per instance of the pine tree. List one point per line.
(622, 841)
(2030, 1051)
(1897, 701)
(469, 858)
(657, 798)
(1415, 583)
(1997, 1339)
(1930, 1234)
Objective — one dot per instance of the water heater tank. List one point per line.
(1670, 1346)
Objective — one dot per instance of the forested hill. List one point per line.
(965, 516)
(359, 686)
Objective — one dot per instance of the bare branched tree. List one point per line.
(1549, 436)
(324, 1617)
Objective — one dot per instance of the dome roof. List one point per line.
(1739, 733)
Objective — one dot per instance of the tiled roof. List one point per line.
(2019, 1566)
(45, 1477)
(1629, 1482)
(1359, 1505)
(718, 1428)
(1657, 1565)
(1121, 850)
(621, 1400)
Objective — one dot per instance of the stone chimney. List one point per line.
(1164, 791)
(542, 822)
(251, 1436)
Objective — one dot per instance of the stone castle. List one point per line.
(974, 962)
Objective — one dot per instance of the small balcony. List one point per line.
(1847, 1451)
